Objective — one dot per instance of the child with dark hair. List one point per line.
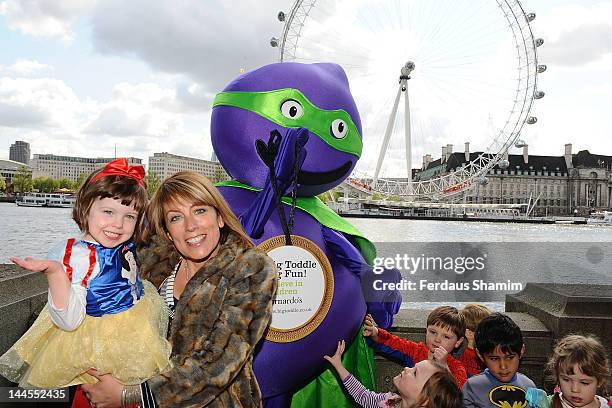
(99, 314)
(445, 331)
(473, 314)
(499, 343)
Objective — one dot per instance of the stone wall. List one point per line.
(543, 312)
(22, 296)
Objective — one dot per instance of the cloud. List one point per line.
(207, 41)
(575, 34)
(27, 67)
(36, 102)
(144, 109)
(44, 18)
(580, 45)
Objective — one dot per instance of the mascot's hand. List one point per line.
(383, 303)
(286, 153)
(284, 156)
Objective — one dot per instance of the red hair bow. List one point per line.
(120, 167)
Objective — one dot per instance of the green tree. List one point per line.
(64, 183)
(152, 181)
(44, 184)
(23, 180)
(2, 184)
(80, 180)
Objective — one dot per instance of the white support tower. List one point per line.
(403, 87)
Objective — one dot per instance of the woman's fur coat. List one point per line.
(220, 317)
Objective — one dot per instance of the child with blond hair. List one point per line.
(473, 313)
(580, 367)
(428, 384)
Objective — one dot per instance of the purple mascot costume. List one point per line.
(293, 130)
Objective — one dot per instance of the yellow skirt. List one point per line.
(130, 345)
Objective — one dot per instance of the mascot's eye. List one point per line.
(292, 109)
(339, 128)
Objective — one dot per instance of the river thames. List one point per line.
(511, 254)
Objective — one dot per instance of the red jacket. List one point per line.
(410, 353)
(473, 365)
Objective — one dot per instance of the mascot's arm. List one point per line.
(382, 303)
(286, 154)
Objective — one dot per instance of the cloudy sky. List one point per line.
(81, 77)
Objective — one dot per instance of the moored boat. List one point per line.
(46, 200)
(600, 218)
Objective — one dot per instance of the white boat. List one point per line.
(31, 201)
(46, 200)
(65, 201)
(600, 218)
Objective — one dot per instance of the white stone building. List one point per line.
(69, 167)
(562, 185)
(166, 164)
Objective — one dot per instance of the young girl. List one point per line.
(97, 315)
(580, 367)
(426, 385)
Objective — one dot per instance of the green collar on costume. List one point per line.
(323, 214)
(318, 121)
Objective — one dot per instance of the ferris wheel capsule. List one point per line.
(531, 120)
(539, 94)
(531, 17)
(274, 42)
(520, 144)
(483, 181)
(281, 16)
(541, 68)
(539, 42)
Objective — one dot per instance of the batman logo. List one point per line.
(508, 396)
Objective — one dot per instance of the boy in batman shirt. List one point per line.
(499, 343)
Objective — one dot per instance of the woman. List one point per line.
(219, 289)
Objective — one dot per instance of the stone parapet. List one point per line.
(22, 296)
(543, 312)
(568, 309)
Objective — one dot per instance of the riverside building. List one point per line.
(569, 184)
(166, 164)
(20, 152)
(8, 169)
(69, 167)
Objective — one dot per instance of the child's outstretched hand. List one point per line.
(440, 354)
(370, 329)
(38, 265)
(336, 360)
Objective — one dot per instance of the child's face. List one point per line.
(438, 336)
(578, 389)
(111, 223)
(502, 365)
(409, 382)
